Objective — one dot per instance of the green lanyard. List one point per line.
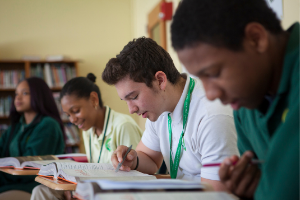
(102, 139)
(186, 108)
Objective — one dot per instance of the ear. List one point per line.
(161, 78)
(94, 98)
(257, 37)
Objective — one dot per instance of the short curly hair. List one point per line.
(140, 59)
(220, 23)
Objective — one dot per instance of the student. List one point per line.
(146, 78)
(103, 128)
(244, 58)
(36, 129)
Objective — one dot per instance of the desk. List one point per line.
(21, 171)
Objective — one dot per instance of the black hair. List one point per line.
(140, 59)
(220, 23)
(41, 101)
(82, 87)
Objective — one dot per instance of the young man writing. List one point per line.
(244, 58)
(183, 127)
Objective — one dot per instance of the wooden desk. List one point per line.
(21, 171)
(57, 184)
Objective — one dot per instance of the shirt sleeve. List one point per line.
(217, 140)
(129, 134)
(150, 138)
(46, 138)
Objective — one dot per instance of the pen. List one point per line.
(254, 161)
(121, 163)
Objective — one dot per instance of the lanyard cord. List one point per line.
(186, 107)
(102, 139)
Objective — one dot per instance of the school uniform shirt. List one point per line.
(121, 129)
(43, 136)
(272, 131)
(210, 135)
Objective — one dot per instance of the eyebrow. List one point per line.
(202, 71)
(126, 97)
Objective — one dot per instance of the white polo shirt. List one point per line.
(121, 130)
(210, 135)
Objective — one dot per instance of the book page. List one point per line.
(84, 166)
(165, 196)
(33, 158)
(40, 163)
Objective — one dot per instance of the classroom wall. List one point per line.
(92, 31)
(141, 9)
(291, 12)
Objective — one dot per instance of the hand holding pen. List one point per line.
(124, 157)
(239, 176)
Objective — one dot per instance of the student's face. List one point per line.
(80, 111)
(141, 99)
(240, 78)
(22, 97)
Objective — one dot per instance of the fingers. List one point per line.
(117, 157)
(226, 167)
(117, 154)
(240, 168)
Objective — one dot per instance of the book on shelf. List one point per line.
(88, 189)
(36, 162)
(75, 172)
(165, 195)
(10, 78)
(5, 103)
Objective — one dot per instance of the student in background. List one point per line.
(182, 124)
(36, 129)
(103, 128)
(244, 58)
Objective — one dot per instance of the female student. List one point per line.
(103, 128)
(36, 129)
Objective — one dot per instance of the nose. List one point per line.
(212, 91)
(72, 119)
(132, 107)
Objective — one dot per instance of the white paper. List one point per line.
(165, 196)
(149, 184)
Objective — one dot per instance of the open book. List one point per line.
(35, 162)
(75, 172)
(26, 162)
(88, 189)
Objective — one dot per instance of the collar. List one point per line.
(290, 58)
(109, 124)
(178, 111)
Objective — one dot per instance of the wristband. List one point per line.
(137, 163)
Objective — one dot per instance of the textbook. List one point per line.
(26, 162)
(35, 162)
(75, 172)
(165, 195)
(88, 189)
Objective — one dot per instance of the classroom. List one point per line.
(85, 111)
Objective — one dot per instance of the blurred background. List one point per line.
(91, 32)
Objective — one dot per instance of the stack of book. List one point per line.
(54, 74)
(10, 78)
(5, 103)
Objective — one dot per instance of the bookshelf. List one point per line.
(55, 74)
